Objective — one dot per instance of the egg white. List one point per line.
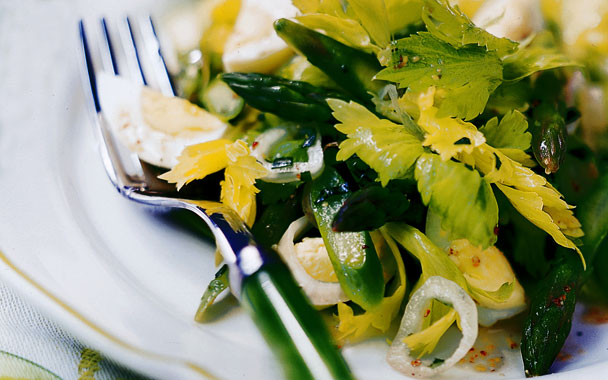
(253, 45)
(121, 104)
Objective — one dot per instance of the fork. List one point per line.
(258, 278)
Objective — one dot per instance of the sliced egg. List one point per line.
(154, 126)
(313, 256)
(253, 45)
(310, 265)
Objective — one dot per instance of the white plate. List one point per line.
(124, 278)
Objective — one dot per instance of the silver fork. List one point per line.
(258, 278)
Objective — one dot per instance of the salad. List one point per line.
(423, 167)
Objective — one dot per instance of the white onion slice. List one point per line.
(445, 291)
(320, 293)
(291, 173)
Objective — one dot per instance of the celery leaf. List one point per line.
(345, 30)
(499, 295)
(510, 133)
(462, 198)
(450, 25)
(433, 260)
(528, 61)
(468, 74)
(386, 147)
(425, 341)
(373, 16)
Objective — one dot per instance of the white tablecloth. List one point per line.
(26, 333)
(33, 67)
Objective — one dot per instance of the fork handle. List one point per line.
(291, 326)
(293, 329)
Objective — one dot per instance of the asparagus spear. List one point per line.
(291, 100)
(350, 68)
(548, 125)
(352, 254)
(550, 318)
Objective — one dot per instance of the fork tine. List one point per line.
(150, 59)
(151, 46)
(132, 61)
(122, 166)
(88, 63)
(108, 55)
(90, 78)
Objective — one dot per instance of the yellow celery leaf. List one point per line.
(566, 221)
(550, 196)
(238, 190)
(498, 167)
(403, 13)
(445, 135)
(330, 7)
(531, 194)
(367, 18)
(386, 147)
(307, 6)
(344, 30)
(198, 161)
(425, 341)
(238, 187)
(409, 103)
(379, 319)
(519, 155)
(489, 275)
(374, 17)
(530, 205)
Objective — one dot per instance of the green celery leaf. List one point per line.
(468, 74)
(449, 24)
(528, 61)
(433, 260)
(509, 96)
(462, 198)
(511, 132)
(386, 147)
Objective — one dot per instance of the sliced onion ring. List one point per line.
(320, 293)
(445, 291)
